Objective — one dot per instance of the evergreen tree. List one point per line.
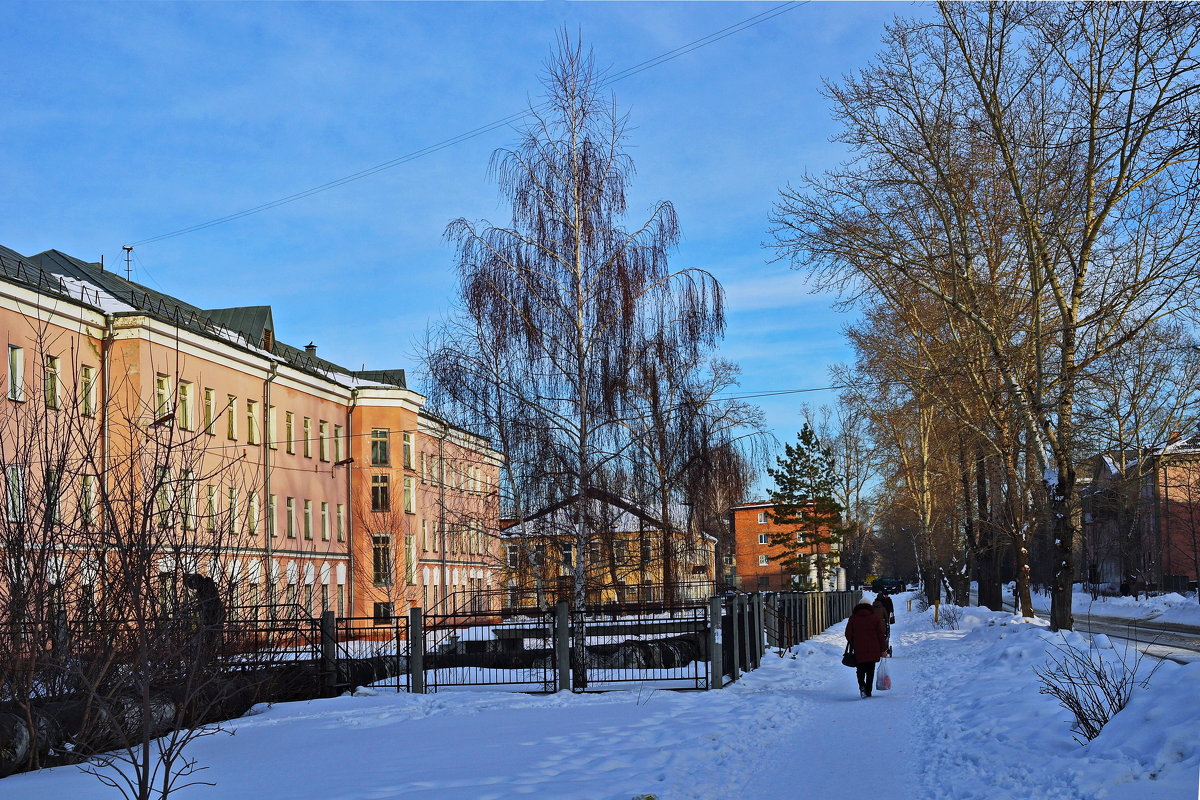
(804, 505)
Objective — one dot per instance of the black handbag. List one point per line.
(848, 658)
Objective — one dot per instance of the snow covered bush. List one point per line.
(1093, 682)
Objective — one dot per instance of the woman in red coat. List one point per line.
(865, 633)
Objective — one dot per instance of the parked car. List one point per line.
(887, 585)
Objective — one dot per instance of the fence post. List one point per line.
(756, 653)
(716, 673)
(416, 651)
(329, 665)
(771, 621)
(562, 645)
(733, 634)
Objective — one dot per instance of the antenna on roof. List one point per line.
(128, 248)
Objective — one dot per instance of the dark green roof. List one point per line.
(43, 272)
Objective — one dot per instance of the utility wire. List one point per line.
(650, 63)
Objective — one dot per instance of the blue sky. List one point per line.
(124, 121)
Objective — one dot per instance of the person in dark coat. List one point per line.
(865, 633)
(887, 613)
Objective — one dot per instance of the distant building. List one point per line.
(1141, 517)
(625, 562)
(756, 562)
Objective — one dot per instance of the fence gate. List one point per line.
(642, 644)
(368, 650)
(486, 648)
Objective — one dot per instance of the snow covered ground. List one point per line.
(964, 721)
(1173, 608)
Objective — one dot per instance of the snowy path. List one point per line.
(965, 721)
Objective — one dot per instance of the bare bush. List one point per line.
(948, 617)
(1093, 684)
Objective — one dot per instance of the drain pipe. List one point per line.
(268, 441)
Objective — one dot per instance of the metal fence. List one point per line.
(482, 648)
(792, 617)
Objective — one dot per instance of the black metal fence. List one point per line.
(792, 617)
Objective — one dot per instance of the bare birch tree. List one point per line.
(564, 290)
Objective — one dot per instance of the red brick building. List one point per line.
(756, 564)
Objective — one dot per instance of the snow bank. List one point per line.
(964, 721)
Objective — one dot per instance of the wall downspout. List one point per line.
(349, 516)
(106, 343)
(268, 442)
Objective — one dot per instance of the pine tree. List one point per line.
(804, 504)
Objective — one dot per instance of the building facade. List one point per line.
(756, 559)
(324, 475)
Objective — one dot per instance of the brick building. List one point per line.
(755, 564)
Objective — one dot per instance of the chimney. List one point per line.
(311, 349)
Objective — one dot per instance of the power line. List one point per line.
(650, 63)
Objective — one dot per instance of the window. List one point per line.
(232, 510)
(16, 373)
(338, 450)
(764, 538)
(185, 413)
(231, 417)
(383, 614)
(621, 553)
(289, 430)
(210, 411)
(381, 559)
(324, 597)
(87, 391)
(51, 381)
(410, 491)
(763, 518)
(290, 510)
(252, 514)
(210, 506)
(424, 468)
(272, 428)
(568, 554)
(764, 560)
(188, 498)
(341, 523)
(162, 496)
(53, 495)
(307, 437)
(272, 509)
(763, 581)
(162, 397)
(381, 498)
(252, 423)
(308, 533)
(410, 559)
(323, 428)
(87, 500)
(512, 554)
(408, 451)
(425, 534)
(325, 522)
(380, 457)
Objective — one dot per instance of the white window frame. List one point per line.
(52, 383)
(764, 538)
(16, 373)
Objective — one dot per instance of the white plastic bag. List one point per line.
(883, 681)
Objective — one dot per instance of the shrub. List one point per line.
(1093, 684)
